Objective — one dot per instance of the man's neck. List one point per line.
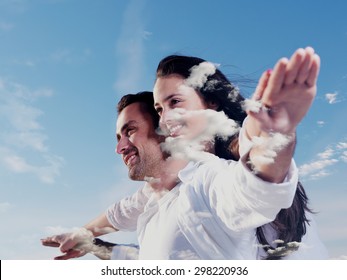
(168, 177)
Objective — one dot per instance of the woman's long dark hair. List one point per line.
(290, 224)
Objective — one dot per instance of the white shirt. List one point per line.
(212, 214)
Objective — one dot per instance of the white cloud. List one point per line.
(16, 164)
(344, 156)
(328, 153)
(22, 138)
(316, 166)
(202, 130)
(271, 146)
(46, 172)
(320, 174)
(199, 74)
(33, 140)
(330, 156)
(342, 145)
(251, 105)
(331, 97)
(321, 123)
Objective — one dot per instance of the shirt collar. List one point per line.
(186, 174)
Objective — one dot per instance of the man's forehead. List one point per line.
(131, 114)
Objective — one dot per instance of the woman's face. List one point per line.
(174, 101)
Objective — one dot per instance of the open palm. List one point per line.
(286, 94)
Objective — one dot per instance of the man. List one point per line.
(138, 143)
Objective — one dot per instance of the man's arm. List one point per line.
(100, 226)
(120, 216)
(286, 95)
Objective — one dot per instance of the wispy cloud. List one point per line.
(331, 97)
(342, 145)
(321, 123)
(344, 156)
(328, 153)
(25, 62)
(23, 139)
(318, 168)
(130, 49)
(66, 55)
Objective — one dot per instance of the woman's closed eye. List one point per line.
(174, 101)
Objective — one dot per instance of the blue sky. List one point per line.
(65, 64)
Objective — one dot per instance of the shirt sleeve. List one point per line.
(245, 144)
(243, 201)
(123, 215)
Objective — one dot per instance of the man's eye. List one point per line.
(129, 131)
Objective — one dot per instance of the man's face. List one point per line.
(138, 143)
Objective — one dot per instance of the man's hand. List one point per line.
(74, 244)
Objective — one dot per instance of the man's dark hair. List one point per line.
(145, 98)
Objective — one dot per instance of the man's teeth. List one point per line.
(130, 159)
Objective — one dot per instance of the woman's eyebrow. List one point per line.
(167, 98)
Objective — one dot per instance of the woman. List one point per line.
(175, 89)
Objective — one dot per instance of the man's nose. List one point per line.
(122, 145)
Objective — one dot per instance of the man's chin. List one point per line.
(135, 176)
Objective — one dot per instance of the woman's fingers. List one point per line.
(259, 91)
(294, 66)
(275, 82)
(305, 66)
(314, 71)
